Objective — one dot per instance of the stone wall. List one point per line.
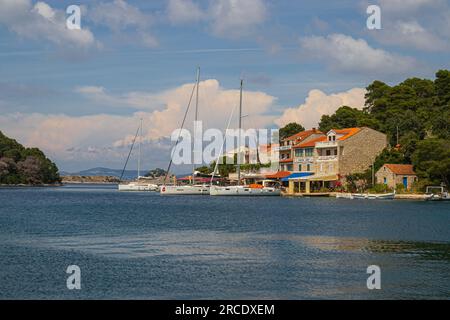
(358, 152)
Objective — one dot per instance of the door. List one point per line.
(405, 182)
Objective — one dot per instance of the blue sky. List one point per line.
(78, 94)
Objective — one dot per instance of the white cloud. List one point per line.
(318, 104)
(344, 53)
(408, 6)
(135, 99)
(234, 18)
(40, 22)
(411, 34)
(417, 24)
(184, 11)
(78, 138)
(225, 18)
(118, 16)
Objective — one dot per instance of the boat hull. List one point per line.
(369, 196)
(138, 187)
(184, 190)
(243, 191)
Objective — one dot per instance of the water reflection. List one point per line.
(248, 246)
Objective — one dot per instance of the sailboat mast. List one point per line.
(239, 136)
(195, 122)
(139, 152)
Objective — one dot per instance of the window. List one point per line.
(335, 152)
(308, 167)
(385, 180)
(299, 152)
(299, 167)
(328, 152)
(309, 152)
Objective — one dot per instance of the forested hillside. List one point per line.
(20, 165)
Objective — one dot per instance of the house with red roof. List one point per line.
(395, 174)
(324, 160)
(287, 144)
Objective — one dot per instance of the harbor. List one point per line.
(140, 245)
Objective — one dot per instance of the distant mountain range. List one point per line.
(100, 171)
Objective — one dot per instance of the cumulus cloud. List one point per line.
(215, 106)
(344, 53)
(119, 16)
(318, 104)
(184, 11)
(411, 34)
(233, 18)
(42, 22)
(96, 137)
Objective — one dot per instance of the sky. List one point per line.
(79, 94)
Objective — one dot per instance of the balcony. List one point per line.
(327, 158)
(304, 159)
(326, 144)
(284, 148)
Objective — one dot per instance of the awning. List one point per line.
(278, 175)
(325, 178)
(297, 175)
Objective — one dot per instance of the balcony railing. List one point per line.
(304, 159)
(283, 148)
(325, 158)
(326, 144)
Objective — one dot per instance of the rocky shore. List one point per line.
(90, 179)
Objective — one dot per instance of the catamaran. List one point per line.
(262, 189)
(140, 184)
(194, 188)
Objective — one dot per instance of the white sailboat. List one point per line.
(192, 189)
(241, 190)
(140, 184)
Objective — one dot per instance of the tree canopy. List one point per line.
(290, 129)
(20, 165)
(414, 114)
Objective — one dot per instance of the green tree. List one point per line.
(431, 160)
(290, 129)
(25, 165)
(346, 117)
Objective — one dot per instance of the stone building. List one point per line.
(395, 174)
(325, 161)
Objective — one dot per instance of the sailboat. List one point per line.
(139, 184)
(192, 189)
(262, 189)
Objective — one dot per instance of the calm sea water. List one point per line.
(145, 246)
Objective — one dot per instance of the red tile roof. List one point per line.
(302, 135)
(346, 133)
(311, 143)
(405, 169)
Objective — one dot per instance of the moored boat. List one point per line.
(369, 196)
(242, 190)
